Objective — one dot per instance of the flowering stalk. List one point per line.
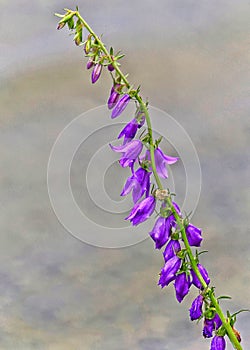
(181, 265)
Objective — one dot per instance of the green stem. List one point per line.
(178, 219)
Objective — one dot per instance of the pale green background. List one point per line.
(192, 60)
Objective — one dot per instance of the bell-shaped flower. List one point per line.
(169, 270)
(195, 311)
(142, 211)
(218, 343)
(182, 284)
(160, 233)
(161, 160)
(120, 106)
(193, 235)
(96, 72)
(129, 131)
(138, 183)
(211, 325)
(172, 248)
(203, 273)
(130, 152)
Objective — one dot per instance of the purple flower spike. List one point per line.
(211, 325)
(193, 235)
(114, 96)
(120, 106)
(130, 152)
(142, 211)
(168, 272)
(218, 343)
(171, 249)
(160, 233)
(182, 284)
(129, 131)
(96, 72)
(204, 274)
(139, 183)
(195, 311)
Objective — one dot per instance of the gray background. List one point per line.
(192, 60)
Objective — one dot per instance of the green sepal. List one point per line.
(71, 23)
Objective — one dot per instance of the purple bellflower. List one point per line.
(129, 131)
(211, 325)
(120, 106)
(195, 311)
(130, 152)
(142, 211)
(203, 273)
(161, 160)
(218, 343)
(114, 96)
(172, 248)
(96, 72)
(193, 235)
(169, 270)
(138, 183)
(160, 233)
(182, 284)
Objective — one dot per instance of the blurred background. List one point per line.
(192, 60)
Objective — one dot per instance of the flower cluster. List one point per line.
(172, 232)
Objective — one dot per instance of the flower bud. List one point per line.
(114, 96)
(96, 72)
(111, 67)
(193, 235)
(182, 284)
(90, 63)
(195, 311)
(120, 106)
(168, 272)
(60, 25)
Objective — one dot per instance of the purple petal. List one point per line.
(120, 106)
(168, 272)
(195, 311)
(218, 343)
(171, 249)
(182, 284)
(193, 235)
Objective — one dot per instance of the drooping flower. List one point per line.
(195, 311)
(172, 248)
(211, 325)
(130, 152)
(96, 72)
(203, 273)
(161, 160)
(142, 211)
(169, 270)
(129, 131)
(218, 343)
(114, 96)
(138, 183)
(182, 284)
(193, 235)
(120, 106)
(160, 233)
